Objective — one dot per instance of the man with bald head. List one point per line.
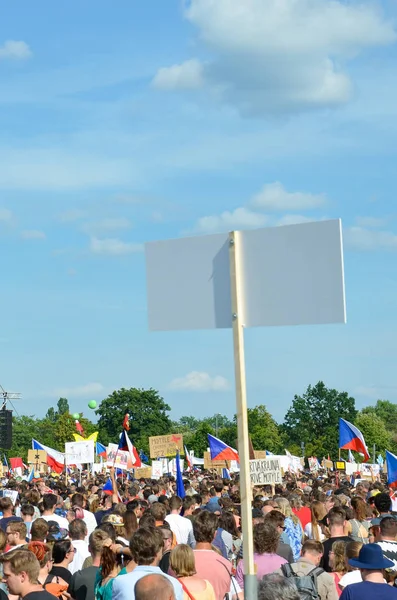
(154, 587)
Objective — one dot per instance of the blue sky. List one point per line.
(136, 121)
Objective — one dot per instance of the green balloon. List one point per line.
(92, 404)
(76, 416)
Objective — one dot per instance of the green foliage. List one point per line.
(387, 412)
(374, 431)
(63, 406)
(148, 416)
(263, 430)
(314, 419)
(199, 440)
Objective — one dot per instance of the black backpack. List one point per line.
(305, 584)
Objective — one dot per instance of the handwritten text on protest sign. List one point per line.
(265, 471)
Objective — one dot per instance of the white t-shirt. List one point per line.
(62, 522)
(182, 528)
(90, 521)
(309, 533)
(79, 556)
(350, 577)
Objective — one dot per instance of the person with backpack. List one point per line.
(312, 582)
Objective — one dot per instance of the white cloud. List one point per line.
(360, 238)
(113, 246)
(33, 234)
(294, 220)
(90, 389)
(188, 75)
(108, 224)
(72, 215)
(15, 50)
(197, 381)
(274, 196)
(58, 168)
(278, 56)
(240, 218)
(370, 222)
(5, 215)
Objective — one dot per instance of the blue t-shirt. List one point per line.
(366, 590)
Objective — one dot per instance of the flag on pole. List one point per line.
(100, 449)
(188, 459)
(391, 462)
(221, 451)
(350, 457)
(125, 444)
(351, 438)
(225, 473)
(31, 475)
(180, 488)
(55, 459)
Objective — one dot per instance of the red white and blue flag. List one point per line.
(351, 438)
(55, 459)
(391, 462)
(125, 444)
(189, 461)
(221, 451)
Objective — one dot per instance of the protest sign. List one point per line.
(265, 471)
(157, 469)
(367, 470)
(12, 494)
(119, 459)
(165, 445)
(79, 452)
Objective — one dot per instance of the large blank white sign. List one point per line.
(291, 275)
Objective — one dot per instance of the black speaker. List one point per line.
(5, 429)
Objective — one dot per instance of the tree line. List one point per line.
(310, 426)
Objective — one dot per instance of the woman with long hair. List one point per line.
(358, 527)
(337, 562)
(313, 529)
(293, 527)
(109, 568)
(183, 565)
(229, 531)
(43, 554)
(353, 575)
(62, 555)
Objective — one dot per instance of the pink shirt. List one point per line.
(215, 569)
(265, 564)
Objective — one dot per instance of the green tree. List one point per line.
(199, 440)
(148, 416)
(314, 419)
(385, 410)
(63, 406)
(263, 430)
(374, 431)
(51, 415)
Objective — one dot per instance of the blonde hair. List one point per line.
(23, 561)
(285, 508)
(318, 513)
(182, 561)
(338, 548)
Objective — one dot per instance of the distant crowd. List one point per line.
(315, 538)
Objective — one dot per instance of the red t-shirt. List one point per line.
(304, 515)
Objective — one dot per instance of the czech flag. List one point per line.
(221, 451)
(100, 449)
(125, 444)
(188, 459)
(108, 487)
(391, 462)
(55, 459)
(225, 473)
(351, 438)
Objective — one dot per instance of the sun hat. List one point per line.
(371, 558)
(115, 520)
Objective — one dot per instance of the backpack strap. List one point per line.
(314, 573)
(287, 570)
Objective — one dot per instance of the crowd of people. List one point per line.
(315, 538)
